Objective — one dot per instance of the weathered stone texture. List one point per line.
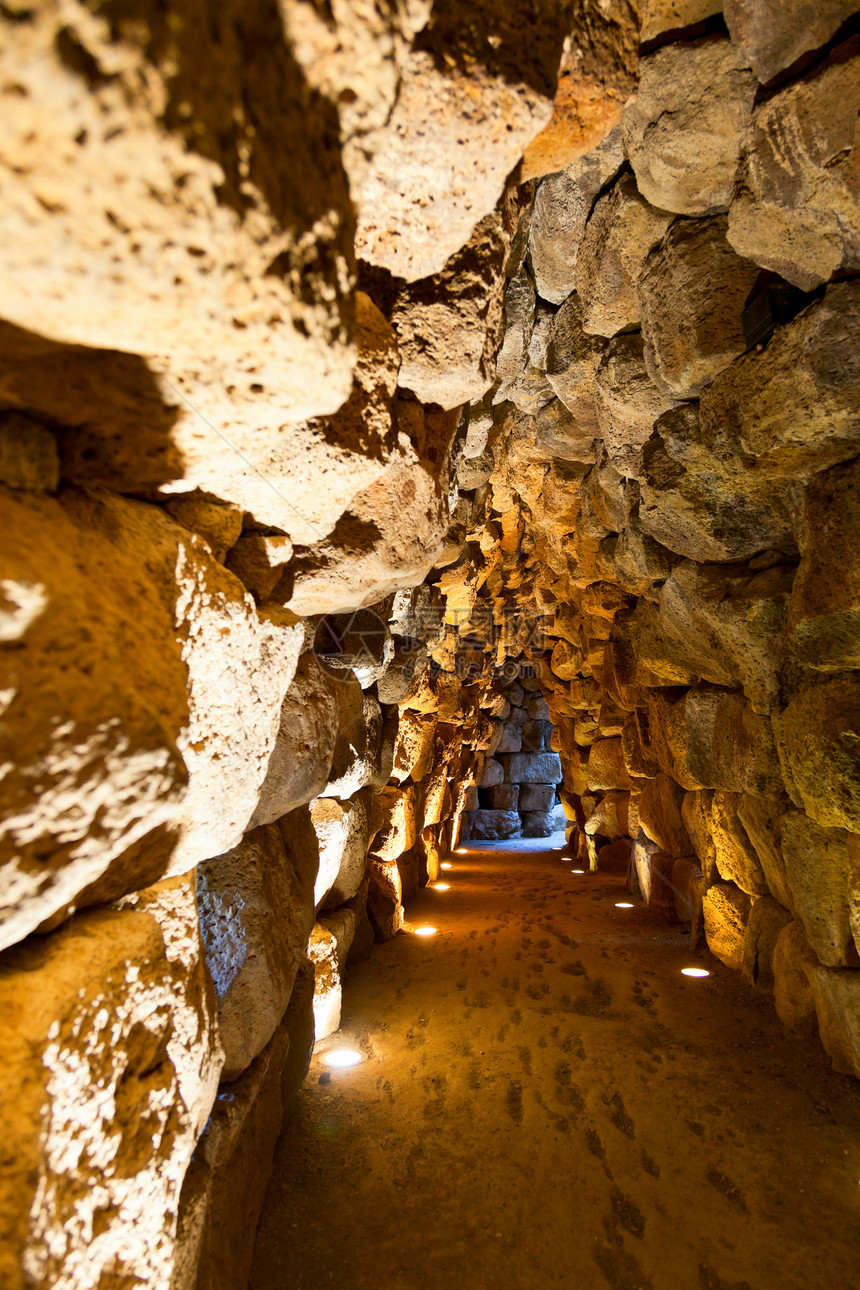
(684, 132)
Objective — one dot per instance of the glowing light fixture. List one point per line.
(446, 864)
(577, 871)
(461, 851)
(695, 972)
(623, 904)
(341, 1058)
(441, 886)
(425, 931)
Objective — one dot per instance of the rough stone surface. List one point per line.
(692, 289)
(562, 207)
(766, 922)
(792, 408)
(684, 132)
(301, 758)
(490, 826)
(322, 952)
(534, 768)
(112, 808)
(796, 208)
(773, 34)
(837, 1005)
(823, 879)
(620, 232)
(726, 912)
(818, 738)
(793, 971)
(255, 923)
(111, 1070)
(342, 832)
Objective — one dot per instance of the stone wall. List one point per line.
(326, 409)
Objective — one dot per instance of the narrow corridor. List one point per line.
(545, 1100)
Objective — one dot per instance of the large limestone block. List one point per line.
(394, 818)
(774, 34)
(301, 759)
(728, 623)
(541, 797)
(692, 289)
(414, 746)
(683, 133)
(837, 1005)
(342, 831)
(620, 232)
(818, 738)
(823, 621)
(492, 826)
(793, 967)
(660, 815)
(735, 855)
(504, 797)
(493, 773)
(364, 745)
(562, 205)
(606, 768)
(767, 920)
(449, 325)
(688, 889)
(29, 457)
(793, 406)
(796, 212)
(761, 818)
(726, 912)
(322, 952)
(111, 1068)
(256, 908)
(133, 752)
(535, 768)
(700, 502)
(392, 534)
(628, 402)
(537, 824)
(824, 878)
(707, 737)
(572, 359)
(225, 1186)
(471, 97)
(150, 216)
(384, 898)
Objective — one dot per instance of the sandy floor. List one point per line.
(547, 1101)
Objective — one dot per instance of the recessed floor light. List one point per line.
(623, 904)
(461, 851)
(577, 871)
(446, 864)
(695, 972)
(341, 1058)
(440, 886)
(425, 931)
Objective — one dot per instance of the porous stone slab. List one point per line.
(837, 1005)
(660, 815)
(606, 768)
(659, 16)
(493, 773)
(112, 1065)
(824, 876)
(793, 406)
(628, 402)
(620, 232)
(767, 920)
(572, 359)
(173, 726)
(300, 761)
(342, 832)
(707, 737)
(536, 824)
(726, 913)
(393, 823)
(684, 131)
(735, 856)
(823, 619)
(795, 212)
(256, 913)
(384, 898)
(772, 34)
(793, 968)
(818, 738)
(322, 952)
(562, 205)
(692, 290)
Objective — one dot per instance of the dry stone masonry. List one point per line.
(408, 417)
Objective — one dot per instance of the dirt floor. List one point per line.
(546, 1101)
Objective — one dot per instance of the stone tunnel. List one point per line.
(430, 601)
